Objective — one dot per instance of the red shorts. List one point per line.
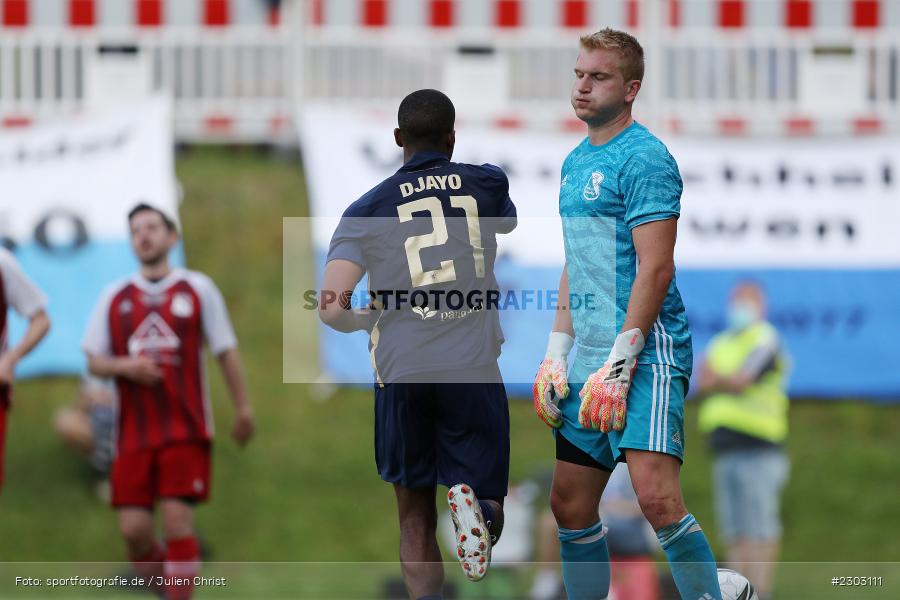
(2, 438)
(175, 471)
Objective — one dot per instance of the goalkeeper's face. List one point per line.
(600, 92)
(151, 238)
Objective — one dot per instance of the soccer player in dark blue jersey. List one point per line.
(426, 238)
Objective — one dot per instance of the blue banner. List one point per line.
(834, 325)
(72, 282)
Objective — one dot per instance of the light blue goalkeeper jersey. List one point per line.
(605, 192)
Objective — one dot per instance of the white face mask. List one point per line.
(742, 314)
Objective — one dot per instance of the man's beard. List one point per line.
(155, 259)
(601, 116)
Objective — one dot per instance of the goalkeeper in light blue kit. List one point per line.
(619, 200)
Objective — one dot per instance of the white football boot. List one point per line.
(473, 540)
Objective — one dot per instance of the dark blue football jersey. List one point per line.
(427, 239)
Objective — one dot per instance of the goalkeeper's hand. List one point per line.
(551, 383)
(605, 392)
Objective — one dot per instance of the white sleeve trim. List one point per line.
(217, 328)
(22, 294)
(96, 338)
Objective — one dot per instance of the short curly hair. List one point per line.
(625, 44)
(426, 116)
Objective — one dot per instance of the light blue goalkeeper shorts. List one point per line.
(654, 418)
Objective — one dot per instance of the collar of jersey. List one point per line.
(421, 160)
(145, 284)
(615, 138)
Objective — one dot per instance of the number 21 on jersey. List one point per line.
(446, 273)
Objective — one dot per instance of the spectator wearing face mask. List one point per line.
(744, 411)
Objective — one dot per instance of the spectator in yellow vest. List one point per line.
(744, 411)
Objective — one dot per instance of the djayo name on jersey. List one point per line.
(432, 182)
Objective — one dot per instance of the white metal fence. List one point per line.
(232, 85)
(694, 83)
(242, 83)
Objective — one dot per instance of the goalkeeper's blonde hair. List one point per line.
(631, 54)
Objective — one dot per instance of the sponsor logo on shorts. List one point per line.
(198, 485)
(676, 438)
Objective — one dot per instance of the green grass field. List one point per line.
(306, 490)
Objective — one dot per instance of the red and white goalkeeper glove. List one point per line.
(551, 383)
(605, 392)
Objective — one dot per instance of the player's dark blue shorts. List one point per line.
(455, 431)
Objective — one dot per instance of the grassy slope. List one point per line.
(306, 489)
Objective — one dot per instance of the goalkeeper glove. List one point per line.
(605, 391)
(551, 383)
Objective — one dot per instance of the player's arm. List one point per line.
(504, 217)
(38, 326)
(222, 343)
(507, 216)
(139, 369)
(101, 360)
(551, 382)
(654, 243)
(28, 301)
(604, 394)
(233, 373)
(562, 321)
(338, 282)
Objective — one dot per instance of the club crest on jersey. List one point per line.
(592, 189)
(182, 305)
(152, 336)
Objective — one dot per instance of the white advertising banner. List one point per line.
(65, 192)
(789, 203)
(749, 203)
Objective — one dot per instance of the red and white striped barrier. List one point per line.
(587, 14)
(139, 13)
(443, 14)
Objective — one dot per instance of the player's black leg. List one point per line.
(420, 556)
(492, 509)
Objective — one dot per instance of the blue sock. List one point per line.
(585, 562)
(691, 559)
